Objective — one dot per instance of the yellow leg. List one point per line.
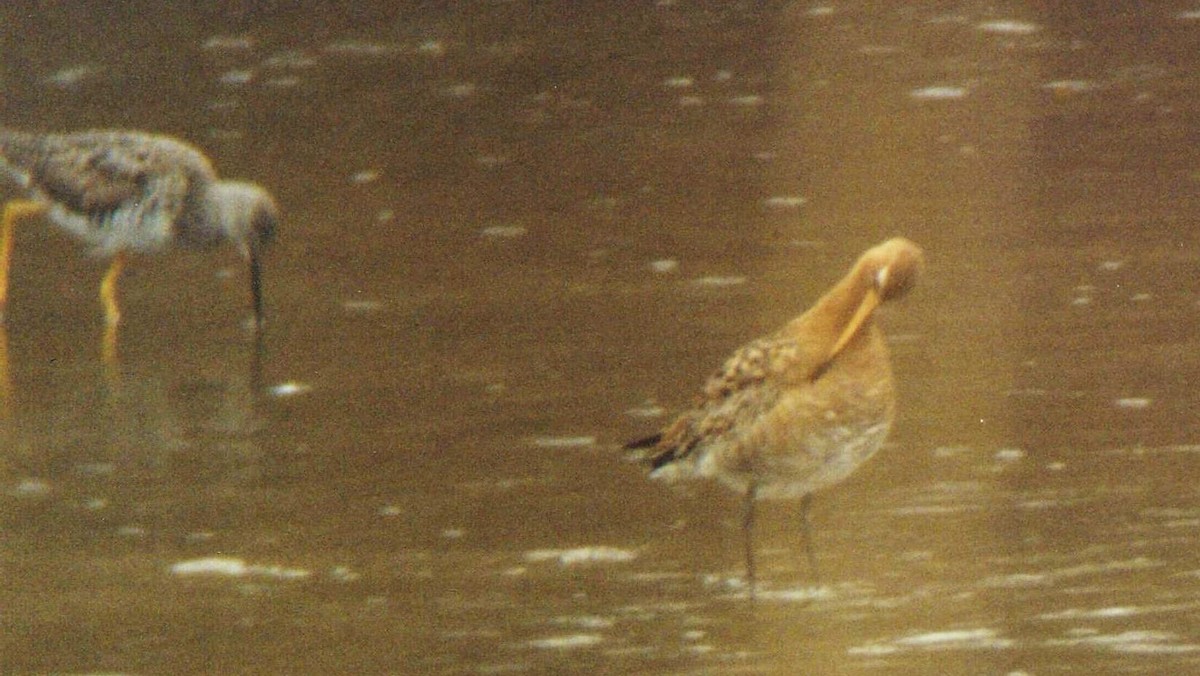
(112, 310)
(108, 290)
(13, 210)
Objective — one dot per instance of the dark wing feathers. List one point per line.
(96, 172)
(723, 400)
(93, 175)
(89, 183)
(645, 442)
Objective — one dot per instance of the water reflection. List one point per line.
(124, 410)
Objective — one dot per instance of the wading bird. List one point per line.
(800, 409)
(129, 191)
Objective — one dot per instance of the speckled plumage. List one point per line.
(802, 408)
(132, 191)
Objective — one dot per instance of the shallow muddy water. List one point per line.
(519, 234)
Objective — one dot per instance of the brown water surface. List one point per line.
(518, 234)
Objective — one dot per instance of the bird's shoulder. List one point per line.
(750, 365)
(99, 171)
(746, 385)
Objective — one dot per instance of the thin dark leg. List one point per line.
(256, 363)
(806, 530)
(748, 534)
(256, 288)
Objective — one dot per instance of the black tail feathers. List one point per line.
(645, 442)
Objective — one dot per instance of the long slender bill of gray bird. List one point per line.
(800, 409)
(130, 191)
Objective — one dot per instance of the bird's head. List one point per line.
(894, 267)
(888, 271)
(247, 213)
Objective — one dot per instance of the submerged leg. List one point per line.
(108, 344)
(6, 399)
(108, 290)
(806, 531)
(12, 211)
(748, 535)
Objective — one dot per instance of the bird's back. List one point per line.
(114, 189)
(776, 416)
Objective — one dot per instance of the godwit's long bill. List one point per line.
(129, 191)
(802, 408)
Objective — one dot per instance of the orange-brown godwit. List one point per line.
(123, 191)
(802, 408)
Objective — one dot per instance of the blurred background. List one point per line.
(517, 234)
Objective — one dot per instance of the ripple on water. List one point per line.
(504, 231)
(290, 388)
(581, 555)
(784, 202)
(954, 639)
(664, 266)
(566, 641)
(73, 76)
(717, 281)
(30, 488)
(236, 78)
(938, 93)
(363, 48)
(227, 566)
(1139, 641)
(1133, 403)
(1008, 27)
(564, 442)
(228, 43)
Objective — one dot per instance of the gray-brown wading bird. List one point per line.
(802, 408)
(129, 191)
